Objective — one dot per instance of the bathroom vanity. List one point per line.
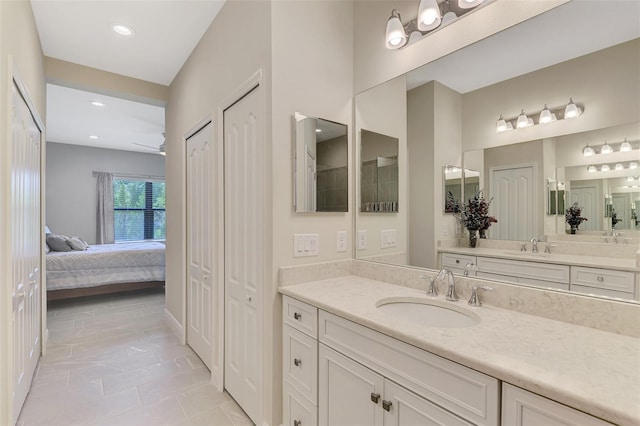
(346, 361)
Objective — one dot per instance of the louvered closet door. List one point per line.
(244, 251)
(200, 239)
(25, 247)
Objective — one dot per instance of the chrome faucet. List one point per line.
(451, 288)
(534, 245)
(432, 290)
(469, 266)
(474, 300)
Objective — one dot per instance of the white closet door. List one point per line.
(200, 240)
(587, 200)
(514, 204)
(244, 251)
(25, 248)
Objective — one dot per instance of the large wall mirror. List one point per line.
(321, 169)
(444, 114)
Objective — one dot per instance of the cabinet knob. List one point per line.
(297, 316)
(375, 397)
(386, 405)
(297, 362)
(457, 260)
(297, 423)
(600, 279)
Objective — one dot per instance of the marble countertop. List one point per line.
(623, 264)
(588, 369)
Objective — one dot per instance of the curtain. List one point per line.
(104, 223)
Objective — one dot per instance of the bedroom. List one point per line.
(99, 144)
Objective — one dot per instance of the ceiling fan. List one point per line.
(160, 148)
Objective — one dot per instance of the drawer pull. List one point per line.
(386, 405)
(297, 316)
(297, 362)
(297, 423)
(375, 397)
(600, 279)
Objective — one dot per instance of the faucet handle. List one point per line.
(474, 300)
(523, 246)
(548, 247)
(432, 290)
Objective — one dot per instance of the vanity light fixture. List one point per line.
(605, 168)
(592, 169)
(633, 165)
(431, 16)
(625, 146)
(588, 151)
(547, 115)
(606, 148)
(619, 166)
(572, 110)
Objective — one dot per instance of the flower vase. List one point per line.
(574, 228)
(483, 234)
(473, 238)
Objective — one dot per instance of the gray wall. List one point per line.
(71, 188)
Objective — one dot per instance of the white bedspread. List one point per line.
(106, 264)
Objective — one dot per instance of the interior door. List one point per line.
(244, 251)
(513, 203)
(310, 165)
(620, 204)
(200, 239)
(587, 200)
(26, 244)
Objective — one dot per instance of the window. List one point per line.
(138, 210)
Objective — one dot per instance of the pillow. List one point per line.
(77, 243)
(58, 242)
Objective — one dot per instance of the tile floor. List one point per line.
(111, 361)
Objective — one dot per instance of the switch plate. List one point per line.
(362, 239)
(388, 238)
(306, 245)
(341, 241)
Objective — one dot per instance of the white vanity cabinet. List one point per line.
(523, 408)
(603, 282)
(457, 262)
(547, 275)
(300, 363)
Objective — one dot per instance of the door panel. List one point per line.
(200, 238)
(513, 204)
(244, 251)
(587, 201)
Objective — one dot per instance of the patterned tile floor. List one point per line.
(111, 361)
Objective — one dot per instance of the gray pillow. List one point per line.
(77, 243)
(58, 242)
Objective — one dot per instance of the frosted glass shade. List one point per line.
(396, 37)
(429, 16)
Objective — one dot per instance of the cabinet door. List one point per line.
(405, 408)
(523, 408)
(298, 410)
(349, 394)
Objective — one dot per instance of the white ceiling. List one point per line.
(166, 32)
(120, 124)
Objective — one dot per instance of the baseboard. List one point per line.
(174, 325)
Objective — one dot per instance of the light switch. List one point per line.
(362, 239)
(388, 238)
(306, 245)
(341, 241)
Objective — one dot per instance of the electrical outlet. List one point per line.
(362, 239)
(341, 241)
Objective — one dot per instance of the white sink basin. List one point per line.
(428, 312)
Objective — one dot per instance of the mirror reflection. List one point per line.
(378, 172)
(321, 165)
(444, 117)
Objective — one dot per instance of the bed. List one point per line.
(105, 268)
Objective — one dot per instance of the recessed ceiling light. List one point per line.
(97, 104)
(93, 137)
(123, 30)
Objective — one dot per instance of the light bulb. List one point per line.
(619, 166)
(545, 116)
(501, 126)
(429, 16)
(588, 151)
(626, 146)
(606, 149)
(572, 110)
(523, 120)
(633, 165)
(396, 37)
(605, 168)
(592, 169)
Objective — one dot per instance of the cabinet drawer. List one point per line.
(300, 362)
(497, 277)
(607, 279)
(300, 315)
(516, 268)
(520, 407)
(466, 392)
(298, 411)
(543, 284)
(452, 260)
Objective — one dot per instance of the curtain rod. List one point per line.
(130, 175)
